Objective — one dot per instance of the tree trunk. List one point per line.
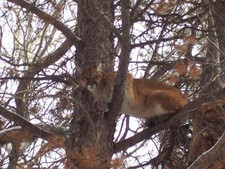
(95, 20)
(208, 120)
(91, 143)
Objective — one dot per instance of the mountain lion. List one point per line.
(143, 98)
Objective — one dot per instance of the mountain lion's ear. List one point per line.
(99, 67)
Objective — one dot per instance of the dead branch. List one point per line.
(49, 19)
(210, 156)
(24, 123)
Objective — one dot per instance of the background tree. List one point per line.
(49, 121)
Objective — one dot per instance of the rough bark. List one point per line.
(94, 28)
(91, 143)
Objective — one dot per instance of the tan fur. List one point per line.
(143, 98)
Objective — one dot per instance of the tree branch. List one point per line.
(49, 19)
(24, 123)
(36, 68)
(210, 156)
(54, 56)
(118, 91)
(179, 118)
(145, 134)
(62, 78)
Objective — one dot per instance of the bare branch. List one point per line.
(63, 78)
(53, 57)
(24, 123)
(145, 134)
(49, 19)
(124, 61)
(210, 156)
(1, 38)
(36, 68)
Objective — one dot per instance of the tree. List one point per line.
(49, 121)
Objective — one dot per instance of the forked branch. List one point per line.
(48, 19)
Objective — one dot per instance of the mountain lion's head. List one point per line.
(90, 78)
